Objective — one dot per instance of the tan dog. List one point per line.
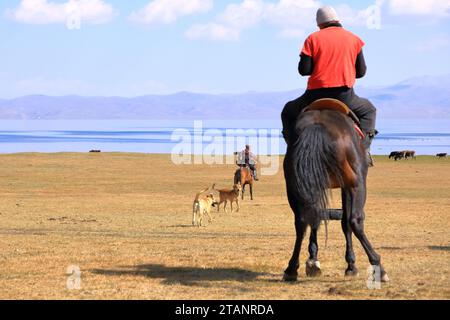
(226, 195)
(201, 207)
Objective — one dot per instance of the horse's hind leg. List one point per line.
(347, 229)
(358, 198)
(243, 191)
(291, 273)
(251, 191)
(313, 264)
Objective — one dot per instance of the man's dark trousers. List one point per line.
(363, 108)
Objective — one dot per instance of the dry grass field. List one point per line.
(125, 220)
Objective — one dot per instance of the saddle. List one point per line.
(338, 106)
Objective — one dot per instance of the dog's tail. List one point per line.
(198, 194)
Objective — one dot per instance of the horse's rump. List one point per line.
(322, 158)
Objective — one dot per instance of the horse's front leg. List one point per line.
(313, 264)
(251, 191)
(291, 273)
(357, 224)
(243, 191)
(352, 270)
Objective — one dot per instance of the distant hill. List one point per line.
(425, 97)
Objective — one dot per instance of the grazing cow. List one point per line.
(393, 154)
(400, 155)
(441, 155)
(397, 155)
(410, 154)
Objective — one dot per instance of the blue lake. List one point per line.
(426, 136)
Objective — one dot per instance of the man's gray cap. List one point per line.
(326, 14)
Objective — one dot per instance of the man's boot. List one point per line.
(367, 142)
(255, 175)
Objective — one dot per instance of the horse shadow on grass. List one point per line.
(183, 275)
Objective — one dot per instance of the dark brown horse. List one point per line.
(441, 155)
(243, 176)
(327, 154)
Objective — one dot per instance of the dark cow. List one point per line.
(397, 155)
(441, 155)
(393, 154)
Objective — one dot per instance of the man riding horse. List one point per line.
(247, 158)
(333, 58)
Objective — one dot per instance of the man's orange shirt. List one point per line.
(334, 51)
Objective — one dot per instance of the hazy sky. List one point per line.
(138, 47)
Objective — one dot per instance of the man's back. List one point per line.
(334, 51)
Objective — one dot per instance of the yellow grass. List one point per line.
(124, 219)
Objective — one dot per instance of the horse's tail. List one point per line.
(237, 176)
(314, 160)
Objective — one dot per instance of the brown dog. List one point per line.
(226, 195)
(201, 207)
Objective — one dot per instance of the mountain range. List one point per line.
(422, 97)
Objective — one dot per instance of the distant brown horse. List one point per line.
(243, 176)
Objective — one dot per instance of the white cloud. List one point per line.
(352, 17)
(230, 23)
(169, 11)
(420, 7)
(292, 16)
(244, 15)
(212, 31)
(292, 13)
(48, 12)
(295, 17)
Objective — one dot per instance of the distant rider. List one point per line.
(247, 158)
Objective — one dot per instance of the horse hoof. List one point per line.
(385, 278)
(313, 268)
(290, 277)
(351, 272)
